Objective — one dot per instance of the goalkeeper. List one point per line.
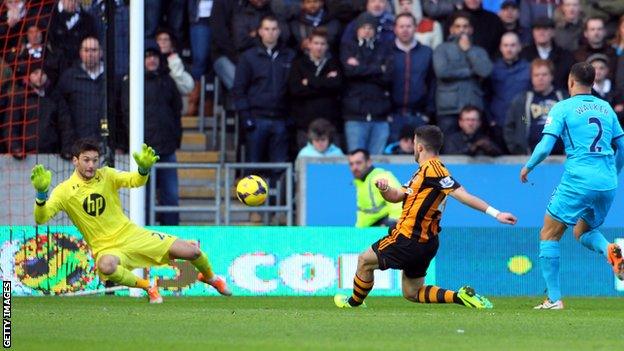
(91, 200)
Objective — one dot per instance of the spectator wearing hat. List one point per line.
(383, 23)
(460, 66)
(487, 27)
(529, 111)
(530, 10)
(603, 86)
(320, 134)
(569, 28)
(413, 79)
(470, 139)
(510, 76)
(315, 85)
(510, 15)
(544, 47)
(595, 43)
(162, 124)
(368, 73)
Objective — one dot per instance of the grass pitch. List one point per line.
(296, 323)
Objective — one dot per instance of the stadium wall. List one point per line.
(326, 195)
(304, 261)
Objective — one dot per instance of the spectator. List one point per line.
(234, 26)
(510, 76)
(163, 127)
(545, 48)
(383, 26)
(345, 11)
(121, 36)
(314, 15)
(315, 82)
(372, 209)
(11, 24)
(428, 31)
(488, 28)
(529, 111)
(413, 79)
(609, 10)
(184, 81)
(531, 10)
(440, 10)
(173, 13)
(510, 15)
(36, 127)
(68, 27)
(405, 145)
(81, 95)
(603, 86)
(30, 55)
(618, 46)
(320, 143)
(459, 67)
(260, 94)
(570, 28)
(595, 35)
(470, 140)
(199, 12)
(366, 102)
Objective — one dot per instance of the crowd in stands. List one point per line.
(307, 77)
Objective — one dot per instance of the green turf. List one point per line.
(269, 323)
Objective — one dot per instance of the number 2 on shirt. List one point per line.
(593, 147)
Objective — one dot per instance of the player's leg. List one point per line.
(181, 249)
(109, 267)
(549, 254)
(362, 282)
(414, 290)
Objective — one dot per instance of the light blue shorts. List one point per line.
(568, 205)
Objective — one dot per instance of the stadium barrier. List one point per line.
(309, 261)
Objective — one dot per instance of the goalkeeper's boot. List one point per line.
(614, 253)
(342, 301)
(549, 305)
(217, 282)
(154, 295)
(473, 300)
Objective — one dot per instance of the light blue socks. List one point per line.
(595, 241)
(549, 263)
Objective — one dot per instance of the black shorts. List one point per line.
(407, 254)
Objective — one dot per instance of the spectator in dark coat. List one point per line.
(544, 47)
(595, 43)
(162, 127)
(529, 111)
(315, 82)
(30, 55)
(260, 94)
(510, 76)
(604, 87)
(384, 23)
(80, 95)
(569, 29)
(470, 140)
(510, 15)
(618, 46)
(413, 79)
(314, 15)
(36, 126)
(488, 28)
(459, 67)
(68, 27)
(366, 102)
(234, 26)
(16, 17)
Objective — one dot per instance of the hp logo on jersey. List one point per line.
(94, 205)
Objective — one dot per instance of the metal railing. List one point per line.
(216, 208)
(216, 109)
(276, 191)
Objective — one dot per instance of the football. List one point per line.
(252, 190)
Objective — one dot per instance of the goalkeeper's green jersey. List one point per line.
(93, 206)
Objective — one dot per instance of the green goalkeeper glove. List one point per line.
(41, 179)
(146, 159)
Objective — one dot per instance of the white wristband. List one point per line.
(492, 211)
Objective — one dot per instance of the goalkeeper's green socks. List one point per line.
(124, 276)
(203, 266)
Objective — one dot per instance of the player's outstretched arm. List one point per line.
(145, 159)
(460, 194)
(389, 193)
(542, 150)
(619, 154)
(41, 179)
